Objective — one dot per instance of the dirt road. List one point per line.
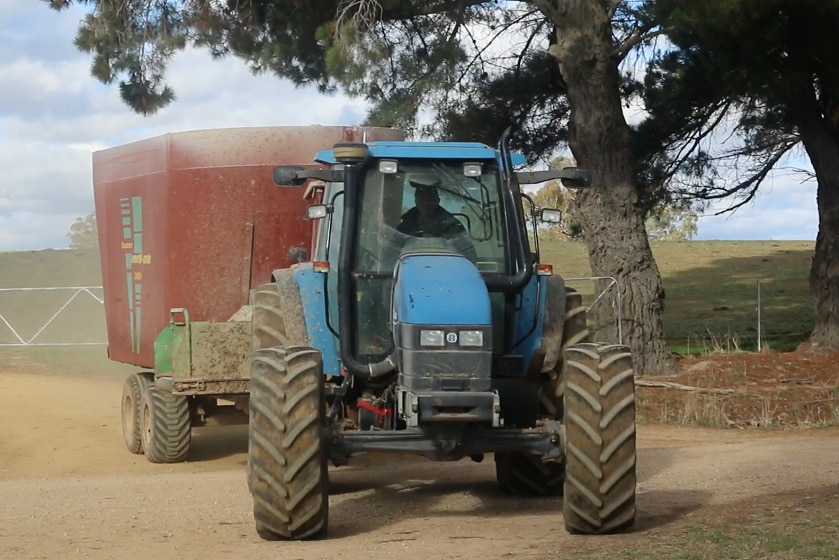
(68, 489)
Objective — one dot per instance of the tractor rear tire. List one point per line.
(278, 319)
(287, 473)
(600, 439)
(523, 474)
(132, 410)
(574, 331)
(167, 431)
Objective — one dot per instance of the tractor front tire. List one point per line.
(132, 410)
(287, 473)
(167, 431)
(600, 439)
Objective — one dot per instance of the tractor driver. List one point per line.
(429, 219)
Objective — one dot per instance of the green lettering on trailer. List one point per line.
(131, 212)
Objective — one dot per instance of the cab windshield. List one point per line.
(426, 206)
(431, 206)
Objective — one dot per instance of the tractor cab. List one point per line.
(460, 199)
(410, 200)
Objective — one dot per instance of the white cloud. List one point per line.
(784, 209)
(44, 178)
(24, 230)
(53, 116)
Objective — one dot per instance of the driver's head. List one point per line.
(425, 191)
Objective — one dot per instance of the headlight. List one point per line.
(432, 338)
(471, 338)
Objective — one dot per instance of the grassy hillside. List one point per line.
(49, 268)
(27, 311)
(711, 291)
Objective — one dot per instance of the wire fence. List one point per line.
(609, 295)
(54, 316)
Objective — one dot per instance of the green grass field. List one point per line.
(711, 291)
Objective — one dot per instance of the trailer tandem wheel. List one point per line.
(167, 431)
(132, 410)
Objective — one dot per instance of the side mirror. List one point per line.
(287, 176)
(296, 176)
(576, 177)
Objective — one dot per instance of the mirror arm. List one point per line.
(570, 176)
(296, 176)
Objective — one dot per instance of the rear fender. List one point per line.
(303, 282)
(539, 320)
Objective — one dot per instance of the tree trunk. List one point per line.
(821, 141)
(613, 226)
(824, 274)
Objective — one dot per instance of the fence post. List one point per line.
(759, 333)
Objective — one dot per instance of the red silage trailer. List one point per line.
(188, 224)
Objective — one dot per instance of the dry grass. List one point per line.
(747, 390)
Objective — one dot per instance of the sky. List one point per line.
(54, 115)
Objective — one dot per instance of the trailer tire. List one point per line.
(132, 410)
(600, 453)
(278, 318)
(167, 431)
(287, 473)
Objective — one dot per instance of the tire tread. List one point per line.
(600, 439)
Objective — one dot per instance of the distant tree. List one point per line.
(672, 218)
(673, 223)
(82, 234)
(553, 195)
(675, 220)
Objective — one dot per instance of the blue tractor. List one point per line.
(437, 332)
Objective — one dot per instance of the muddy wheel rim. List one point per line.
(129, 419)
(146, 424)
